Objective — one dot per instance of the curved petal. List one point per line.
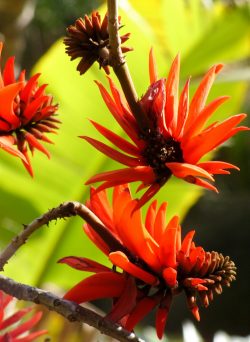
(83, 264)
(183, 170)
(99, 285)
(112, 153)
(7, 97)
(121, 260)
(153, 76)
(143, 307)
(217, 167)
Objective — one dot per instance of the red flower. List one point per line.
(14, 334)
(26, 114)
(176, 140)
(89, 40)
(156, 263)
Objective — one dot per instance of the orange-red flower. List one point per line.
(89, 40)
(177, 137)
(12, 328)
(151, 262)
(26, 114)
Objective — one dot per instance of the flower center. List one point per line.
(159, 151)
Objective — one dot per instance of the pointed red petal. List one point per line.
(110, 152)
(182, 111)
(197, 125)
(209, 139)
(26, 325)
(14, 318)
(143, 307)
(99, 285)
(121, 260)
(83, 264)
(162, 315)
(172, 86)
(170, 276)
(125, 303)
(168, 243)
(8, 72)
(150, 217)
(117, 140)
(160, 222)
(201, 94)
(140, 173)
(35, 143)
(7, 96)
(152, 190)
(183, 170)
(6, 143)
(27, 90)
(152, 67)
(32, 336)
(217, 167)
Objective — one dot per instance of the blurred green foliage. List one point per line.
(203, 36)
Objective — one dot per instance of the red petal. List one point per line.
(140, 173)
(8, 72)
(35, 143)
(168, 243)
(138, 240)
(170, 276)
(32, 336)
(186, 243)
(125, 303)
(152, 67)
(142, 308)
(152, 190)
(172, 85)
(26, 325)
(162, 315)
(121, 260)
(14, 318)
(99, 285)
(201, 94)
(83, 264)
(117, 140)
(201, 182)
(160, 222)
(217, 167)
(150, 217)
(182, 111)
(206, 141)
(183, 170)
(33, 107)
(29, 87)
(6, 143)
(7, 96)
(197, 125)
(110, 152)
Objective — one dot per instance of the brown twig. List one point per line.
(117, 61)
(70, 310)
(64, 210)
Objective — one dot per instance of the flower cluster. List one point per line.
(11, 327)
(155, 263)
(177, 137)
(89, 40)
(27, 113)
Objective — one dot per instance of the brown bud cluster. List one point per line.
(89, 40)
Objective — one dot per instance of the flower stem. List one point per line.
(120, 67)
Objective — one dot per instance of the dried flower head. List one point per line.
(155, 262)
(89, 40)
(27, 113)
(12, 328)
(176, 140)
